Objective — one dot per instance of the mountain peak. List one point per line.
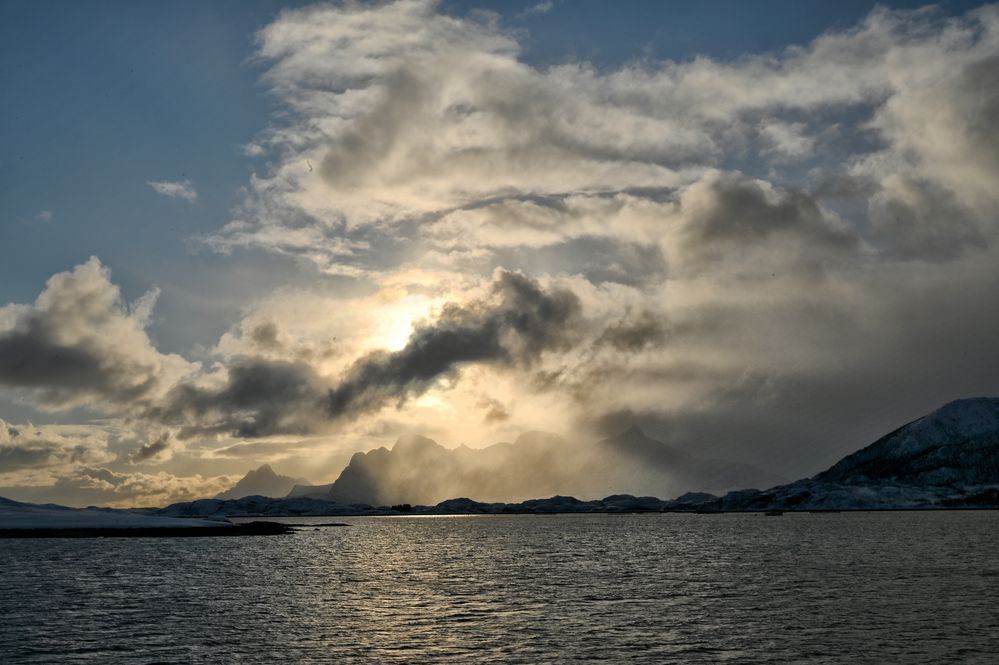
(263, 481)
(633, 434)
(969, 411)
(634, 430)
(953, 444)
(414, 443)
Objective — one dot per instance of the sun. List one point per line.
(395, 320)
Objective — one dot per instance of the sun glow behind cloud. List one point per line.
(395, 316)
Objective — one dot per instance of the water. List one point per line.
(838, 588)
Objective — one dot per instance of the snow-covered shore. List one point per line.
(17, 515)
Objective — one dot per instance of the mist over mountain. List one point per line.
(263, 481)
(946, 459)
(418, 470)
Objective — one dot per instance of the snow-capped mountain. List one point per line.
(956, 444)
(948, 458)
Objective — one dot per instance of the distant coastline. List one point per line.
(232, 529)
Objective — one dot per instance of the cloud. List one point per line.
(153, 449)
(80, 344)
(49, 447)
(512, 326)
(724, 213)
(921, 220)
(788, 139)
(448, 138)
(256, 397)
(97, 485)
(181, 189)
(635, 332)
(539, 8)
(495, 411)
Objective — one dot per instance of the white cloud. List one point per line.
(415, 126)
(79, 344)
(539, 8)
(181, 189)
(788, 139)
(42, 449)
(98, 485)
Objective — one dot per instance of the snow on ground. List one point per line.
(16, 515)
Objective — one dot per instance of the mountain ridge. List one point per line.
(262, 481)
(948, 458)
(418, 470)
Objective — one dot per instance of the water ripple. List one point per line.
(858, 588)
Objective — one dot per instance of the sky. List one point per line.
(249, 232)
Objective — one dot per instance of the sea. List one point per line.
(878, 587)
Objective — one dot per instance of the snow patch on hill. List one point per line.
(16, 515)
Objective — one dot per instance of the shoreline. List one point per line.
(259, 528)
(414, 513)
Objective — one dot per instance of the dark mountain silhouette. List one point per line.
(418, 470)
(947, 459)
(263, 482)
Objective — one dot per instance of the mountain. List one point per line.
(948, 458)
(418, 470)
(262, 482)
(957, 444)
(312, 491)
(259, 506)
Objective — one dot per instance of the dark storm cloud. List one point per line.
(979, 85)
(920, 220)
(32, 357)
(81, 344)
(922, 349)
(29, 357)
(516, 322)
(512, 326)
(731, 210)
(259, 398)
(153, 448)
(35, 455)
